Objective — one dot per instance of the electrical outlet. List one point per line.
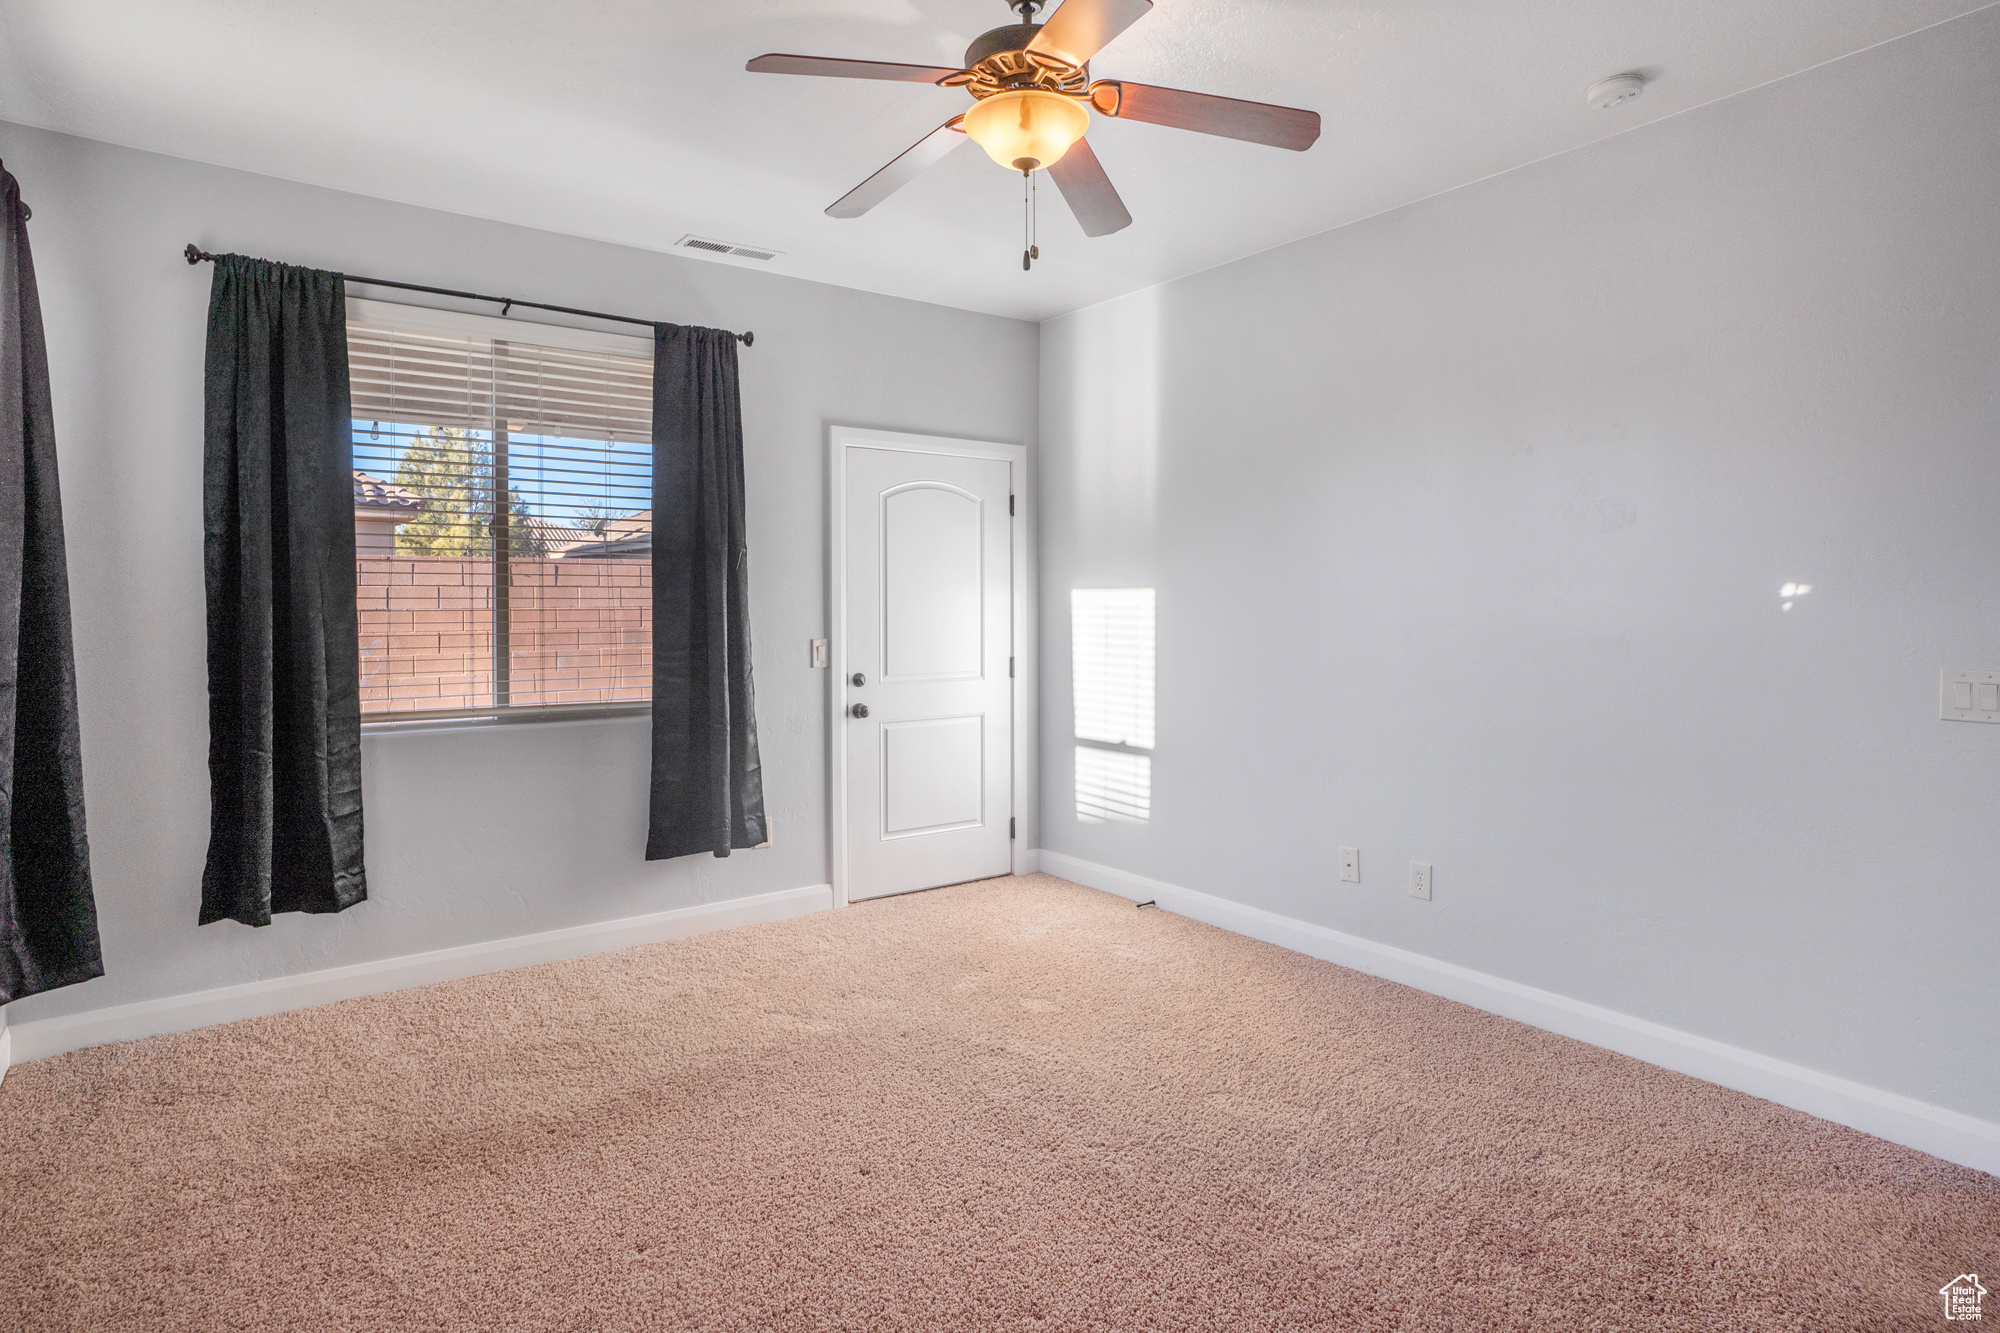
(1350, 865)
(1420, 880)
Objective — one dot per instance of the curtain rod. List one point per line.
(196, 255)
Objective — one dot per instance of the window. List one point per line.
(503, 529)
(1111, 674)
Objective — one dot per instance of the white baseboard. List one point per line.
(1952, 1135)
(1027, 861)
(178, 1013)
(6, 1047)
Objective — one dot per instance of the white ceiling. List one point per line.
(633, 120)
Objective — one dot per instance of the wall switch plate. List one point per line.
(819, 657)
(1969, 696)
(1350, 865)
(1420, 880)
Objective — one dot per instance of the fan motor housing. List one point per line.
(1000, 62)
(1013, 37)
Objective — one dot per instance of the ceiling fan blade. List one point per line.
(833, 68)
(1079, 29)
(1089, 192)
(926, 152)
(1204, 113)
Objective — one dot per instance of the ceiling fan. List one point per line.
(1033, 97)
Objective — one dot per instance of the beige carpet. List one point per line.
(1010, 1105)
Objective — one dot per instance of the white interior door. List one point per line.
(928, 712)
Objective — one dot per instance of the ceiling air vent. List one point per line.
(725, 248)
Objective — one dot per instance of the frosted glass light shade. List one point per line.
(1028, 129)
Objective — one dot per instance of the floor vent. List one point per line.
(725, 248)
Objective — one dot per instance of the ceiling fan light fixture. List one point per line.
(1028, 129)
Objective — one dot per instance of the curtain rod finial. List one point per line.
(195, 254)
(749, 339)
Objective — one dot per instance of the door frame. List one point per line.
(839, 440)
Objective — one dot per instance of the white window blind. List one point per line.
(438, 379)
(1111, 675)
(503, 491)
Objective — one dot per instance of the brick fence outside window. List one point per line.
(582, 632)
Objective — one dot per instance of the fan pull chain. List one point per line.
(1027, 233)
(1030, 220)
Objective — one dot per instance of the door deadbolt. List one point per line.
(858, 679)
(860, 710)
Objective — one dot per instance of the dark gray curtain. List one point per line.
(284, 699)
(48, 918)
(708, 787)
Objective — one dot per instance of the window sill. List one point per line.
(472, 719)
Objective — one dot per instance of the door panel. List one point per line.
(932, 775)
(929, 592)
(932, 593)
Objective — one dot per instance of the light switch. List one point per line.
(1969, 696)
(819, 657)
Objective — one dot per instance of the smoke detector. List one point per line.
(1617, 89)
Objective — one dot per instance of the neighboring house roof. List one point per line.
(632, 525)
(554, 538)
(618, 539)
(378, 499)
(624, 549)
(375, 494)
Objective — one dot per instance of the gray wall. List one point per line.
(472, 835)
(1468, 524)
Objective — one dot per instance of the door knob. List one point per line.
(860, 710)
(858, 679)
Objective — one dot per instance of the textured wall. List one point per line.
(473, 835)
(1469, 524)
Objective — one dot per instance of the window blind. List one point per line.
(502, 513)
(439, 379)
